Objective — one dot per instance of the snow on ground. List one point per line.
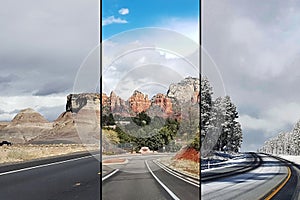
(221, 160)
(295, 159)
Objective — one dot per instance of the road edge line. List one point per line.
(276, 189)
(163, 185)
(44, 165)
(177, 176)
(110, 174)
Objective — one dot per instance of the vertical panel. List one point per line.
(150, 99)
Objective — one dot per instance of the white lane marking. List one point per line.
(177, 175)
(163, 185)
(46, 165)
(109, 175)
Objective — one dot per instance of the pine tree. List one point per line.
(205, 106)
(296, 137)
(231, 135)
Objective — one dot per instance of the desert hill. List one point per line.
(29, 116)
(80, 122)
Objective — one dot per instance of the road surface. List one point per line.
(265, 182)
(68, 178)
(135, 180)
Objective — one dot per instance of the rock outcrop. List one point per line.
(29, 116)
(175, 103)
(76, 102)
(185, 91)
(139, 102)
(163, 102)
(117, 105)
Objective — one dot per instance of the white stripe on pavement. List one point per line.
(110, 174)
(163, 185)
(45, 165)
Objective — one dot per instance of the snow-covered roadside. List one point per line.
(295, 159)
(229, 160)
(225, 164)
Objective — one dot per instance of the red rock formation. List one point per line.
(117, 105)
(105, 100)
(139, 102)
(188, 153)
(163, 102)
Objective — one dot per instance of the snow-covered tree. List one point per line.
(205, 106)
(296, 137)
(283, 143)
(219, 128)
(231, 133)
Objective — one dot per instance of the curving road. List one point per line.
(263, 182)
(141, 178)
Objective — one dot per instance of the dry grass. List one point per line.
(19, 153)
(185, 166)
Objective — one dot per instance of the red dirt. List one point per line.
(114, 160)
(188, 153)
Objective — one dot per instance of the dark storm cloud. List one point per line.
(52, 88)
(43, 40)
(43, 44)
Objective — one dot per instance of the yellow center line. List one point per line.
(280, 186)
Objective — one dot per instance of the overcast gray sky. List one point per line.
(43, 44)
(255, 45)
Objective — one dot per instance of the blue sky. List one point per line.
(147, 13)
(125, 29)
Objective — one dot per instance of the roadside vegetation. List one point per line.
(22, 152)
(154, 133)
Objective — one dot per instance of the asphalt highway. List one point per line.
(141, 178)
(79, 177)
(263, 182)
(68, 178)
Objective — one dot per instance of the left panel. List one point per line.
(49, 100)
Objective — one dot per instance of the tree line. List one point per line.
(287, 143)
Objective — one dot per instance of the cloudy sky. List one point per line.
(255, 45)
(147, 45)
(43, 44)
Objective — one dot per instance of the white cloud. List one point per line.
(113, 20)
(273, 120)
(124, 11)
(12, 104)
(187, 27)
(143, 61)
(258, 57)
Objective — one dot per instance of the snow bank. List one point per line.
(295, 159)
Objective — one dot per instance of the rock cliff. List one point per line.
(139, 102)
(185, 91)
